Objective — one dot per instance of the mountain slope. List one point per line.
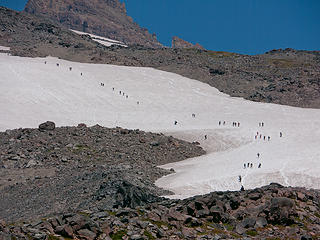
(288, 77)
(106, 18)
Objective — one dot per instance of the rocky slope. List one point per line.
(106, 18)
(53, 170)
(289, 76)
(271, 212)
(180, 43)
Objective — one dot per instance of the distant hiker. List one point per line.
(280, 134)
(268, 138)
(260, 135)
(113, 89)
(120, 92)
(242, 188)
(126, 96)
(259, 166)
(255, 137)
(244, 166)
(175, 122)
(205, 137)
(193, 115)
(224, 122)
(248, 165)
(238, 124)
(239, 178)
(258, 154)
(81, 74)
(57, 64)
(262, 124)
(137, 102)
(45, 62)
(70, 68)
(251, 165)
(219, 123)
(264, 137)
(259, 124)
(257, 133)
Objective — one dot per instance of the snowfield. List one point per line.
(2, 48)
(102, 40)
(33, 92)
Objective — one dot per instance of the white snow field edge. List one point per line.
(102, 40)
(33, 92)
(2, 48)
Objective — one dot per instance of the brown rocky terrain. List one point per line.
(271, 212)
(52, 170)
(290, 77)
(180, 43)
(106, 18)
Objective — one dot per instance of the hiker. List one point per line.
(255, 137)
(120, 92)
(244, 166)
(113, 89)
(264, 137)
(57, 64)
(258, 154)
(268, 138)
(248, 165)
(260, 136)
(259, 124)
(219, 123)
(70, 68)
(262, 124)
(259, 165)
(251, 165)
(242, 188)
(239, 178)
(238, 124)
(175, 122)
(81, 74)
(45, 62)
(126, 96)
(193, 115)
(138, 103)
(224, 122)
(205, 137)
(280, 134)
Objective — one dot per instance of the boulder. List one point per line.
(47, 126)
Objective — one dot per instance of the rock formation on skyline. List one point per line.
(106, 18)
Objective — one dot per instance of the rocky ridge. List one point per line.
(107, 18)
(180, 43)
(270, 212)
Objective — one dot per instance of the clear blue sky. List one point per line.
(243, 26)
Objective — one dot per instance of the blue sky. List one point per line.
(243, 26)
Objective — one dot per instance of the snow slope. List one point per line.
(33, 92)
(102, 40)
(2, 48)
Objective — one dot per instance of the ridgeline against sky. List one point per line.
(249, 26)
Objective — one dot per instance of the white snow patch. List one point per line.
(33, 92)
(102, 40)
(2, 48)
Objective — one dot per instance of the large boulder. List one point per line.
(282, 211)
(47, 126)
